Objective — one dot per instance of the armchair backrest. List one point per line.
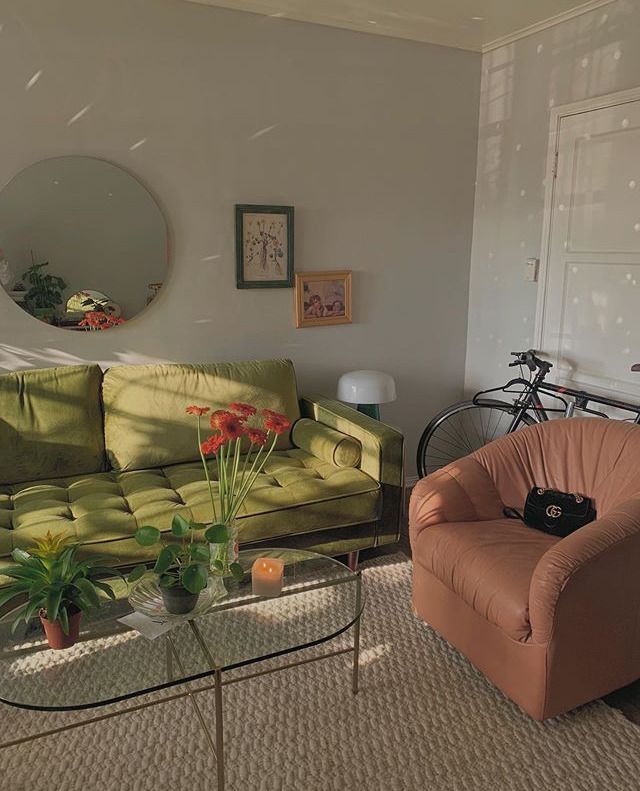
(591, 456)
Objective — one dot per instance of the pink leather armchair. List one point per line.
(552, 622)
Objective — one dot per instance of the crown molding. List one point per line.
(545, 24)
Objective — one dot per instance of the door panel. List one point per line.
(590, 323)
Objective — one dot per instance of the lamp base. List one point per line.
(373, 410)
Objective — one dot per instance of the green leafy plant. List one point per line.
(55, 581)
(45, 290)
(183, 560)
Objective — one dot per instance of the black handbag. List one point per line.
(554, 512)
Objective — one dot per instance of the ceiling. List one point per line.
(467, 24)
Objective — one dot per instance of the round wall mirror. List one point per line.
(83, 243)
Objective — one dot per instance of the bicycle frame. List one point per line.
(528, 400)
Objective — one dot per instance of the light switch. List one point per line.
(531, 271)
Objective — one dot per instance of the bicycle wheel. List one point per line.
(462, 428)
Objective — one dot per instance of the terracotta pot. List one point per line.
(178, 600)
(56, 637)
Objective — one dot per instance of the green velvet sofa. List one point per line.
(96, 454)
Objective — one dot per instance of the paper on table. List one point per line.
(148, 627)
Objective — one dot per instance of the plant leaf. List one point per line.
(179, 526)
(20, 556)
(194, 578)
(237, 571)
(88, 591)
(167, 581)
(105, 589)
(64, 619)
(200, 552)
(164, 561)
(53, 603)
(217, 534)
(136, 573)
(147, 536)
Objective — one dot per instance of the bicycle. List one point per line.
(464, 427)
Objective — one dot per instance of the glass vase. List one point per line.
(225, 554)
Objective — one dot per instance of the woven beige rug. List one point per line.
(424, 720)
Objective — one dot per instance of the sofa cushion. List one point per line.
(296, 493)
(326, 443)
(488, 564)
(145, 421)
(50, 423)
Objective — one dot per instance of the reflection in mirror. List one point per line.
(83, 243)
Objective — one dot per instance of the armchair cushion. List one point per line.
(326, 443)
(489, 565)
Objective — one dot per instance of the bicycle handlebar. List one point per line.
(529, 359)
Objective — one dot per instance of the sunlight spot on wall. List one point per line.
(561, 207)
(519, 147)
(33, 80)
(625, 123)
(584, 63)
(261, 132)
(203, 321)
(619, 320)
(525, 319)
(552, 102)
(617, 55)
(491, 254)
(575, 300)
(139, 143)
(79, 115)
(523, 193)
(632, 184)
(574, 269)
(636, 227)
(277, 15)
(539, 48)
(210, 257)
(626, 350)
(628, 275)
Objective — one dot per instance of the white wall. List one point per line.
(596, 53)
(372, 139)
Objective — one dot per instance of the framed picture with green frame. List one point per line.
(264, 246)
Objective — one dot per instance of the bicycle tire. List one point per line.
(445, 440)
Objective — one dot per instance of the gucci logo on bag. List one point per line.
(554, 511)
(579, 498)
(541, 491)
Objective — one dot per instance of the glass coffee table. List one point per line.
(320, 600)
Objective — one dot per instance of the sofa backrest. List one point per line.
(144, 406)
(51, 423)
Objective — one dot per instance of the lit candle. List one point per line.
(266, 576)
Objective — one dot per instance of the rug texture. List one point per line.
(424, 720)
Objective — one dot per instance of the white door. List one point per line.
(589, 321)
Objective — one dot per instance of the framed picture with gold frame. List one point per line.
(323, 298)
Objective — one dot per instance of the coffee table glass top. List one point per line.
(320, 599)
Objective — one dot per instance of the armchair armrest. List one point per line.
(460, 492)
(382, 454)
(593, 571)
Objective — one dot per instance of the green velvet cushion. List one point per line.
(145, 420)
(326, 443)
(297, 493)
(50, 423)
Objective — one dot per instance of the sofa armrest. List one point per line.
(460, 492)
(326, 443)
(593, 571)
(382, 455)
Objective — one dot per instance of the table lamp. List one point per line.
(367, 389)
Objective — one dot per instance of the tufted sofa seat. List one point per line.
(96, 456)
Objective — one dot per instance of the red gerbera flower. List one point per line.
(199, 411)
(276, 423)
(257, 436)
(246, 410)
(232, 426)
(219, 415)
(212, 444)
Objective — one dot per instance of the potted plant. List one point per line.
(182, 564)
(58, 587)
(44, 293)
(242, 440)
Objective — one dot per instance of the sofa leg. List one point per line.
(352, 560)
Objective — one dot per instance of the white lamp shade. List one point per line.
(366, 387)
